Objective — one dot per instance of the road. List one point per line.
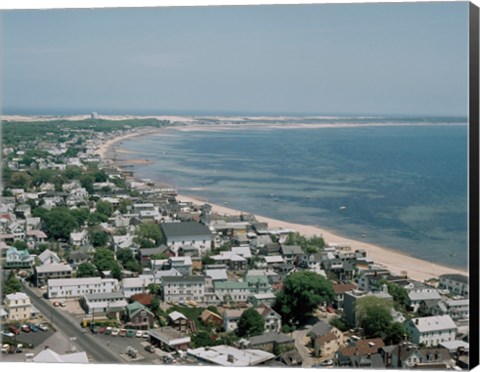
(300, 341)
(95, 348)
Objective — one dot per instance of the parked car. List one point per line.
(139, 334)
(42, 327)
(14, 330)
(8, 334)
(150, 348)
(33, 328)
(130, 333)
(326, 363)
(145, 334)
(102, 329)
(115, 332)
(5, 348)
(108, 331)
(25, 328)
(122, 332)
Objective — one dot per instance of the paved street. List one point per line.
(63, 322)
(300, 337)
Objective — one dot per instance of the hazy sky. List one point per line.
(409, 58)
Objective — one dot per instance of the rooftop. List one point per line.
(229, 356)
(433, 323)
(180, 229)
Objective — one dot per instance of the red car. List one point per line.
(25, 328)
(14, 330)
(330, 310)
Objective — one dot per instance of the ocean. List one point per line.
(401, 187)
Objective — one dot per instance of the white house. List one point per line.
(183, 288)
(77, 287)
(178, 234)
(416, 297)
(18, 306)
(79, 238)
(47, 256)
(457, 284)
(432, 330)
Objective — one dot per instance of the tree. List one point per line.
(399, 294)
(123, 206)
(104, 259)
(20, 245)
(96, 218)
(59, 223)
(308, 245)
(104, 207)
(12, 284)
(374, 316)
(98, 237)
(395, 333)
(250, 323)
(87, 182)
(117, 271)
(81, 215)
(302, 292)
(86, 269)
(152, 231)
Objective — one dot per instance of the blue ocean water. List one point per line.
(404, 187)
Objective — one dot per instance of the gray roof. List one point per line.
(179, 229)
(278, 338)
(320, 329)
(104, 296)
(457, 277)
(152, 251)
(291, 249)
(183, 279)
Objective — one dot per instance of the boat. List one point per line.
(342, 208)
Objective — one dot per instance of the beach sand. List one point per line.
(395, 261)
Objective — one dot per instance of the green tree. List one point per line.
(98, 237)
(117, 271)
(87, 181)
(202, 339)
(151, 231)
(59, 223)
(399, 294)
(20, 245)
(105, 208)
(395, 333)
(20, 180)
(302, 293)
(73, 172)
(250, 323)
(81, 215)
(86, 269)
(104, 259)
(374, 316)
(12, 284)
(123, 205)
(96, 218)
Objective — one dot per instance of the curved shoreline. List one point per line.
(396, 261)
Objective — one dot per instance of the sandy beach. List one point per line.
(397, 262)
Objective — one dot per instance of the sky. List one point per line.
(343, 59)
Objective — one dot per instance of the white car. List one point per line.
(115, 332)
(139, 334)
(8, 334)
(145, 334)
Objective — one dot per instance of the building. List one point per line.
(178, 321)
(76, 258)
(183, 288)
(340, 290)
(231, 318)
(138, 316)
(273, 320)
(182, 264)
(455, 283)
(211, 318)
(48, 271)
(229, 356)
(79, 238)
(77, 287)
(47, 256)
(432, 330)
(103, 303)
(351, 299)
(415, 298)
(169, 339)
(17, 259)
(229, 291)
(270, 342)
(18, 306)
(326, 339)
(50, 356)
(178, 234)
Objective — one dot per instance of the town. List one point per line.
(101, 267)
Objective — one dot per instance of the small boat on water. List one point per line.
(342, 208)
(364, 236)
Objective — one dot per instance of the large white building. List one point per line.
(178, 234)
(77, 287)
(432, 330)
(183, 288)
(457, 284)
(18, 306)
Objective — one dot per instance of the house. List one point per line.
(18, 306)
(146, 254)
(211, 318)
(415, 298)
(178, 321)
(408, 355)
(134, 286)
(229, 356)
(144, 299)
(36, 237)
(168, 339)
(47, 256)
(183, 288)
(77, 287)
(51, 271)
(231, 318)
(103, 303)
(137, 316)
(350, 356)
(231, 260)
(273, 320)
(228, 291)
(196, 234)
(79, 238)
(267, 298)
(50, 356)
(340, 290)
(270, 342)
(342, 270)
(432, 330)
(271, 261)
(326, 339)
(76, 258)
(182, 264)
(455, 283)
(291, 253)
(258, 281)
(17, 259)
